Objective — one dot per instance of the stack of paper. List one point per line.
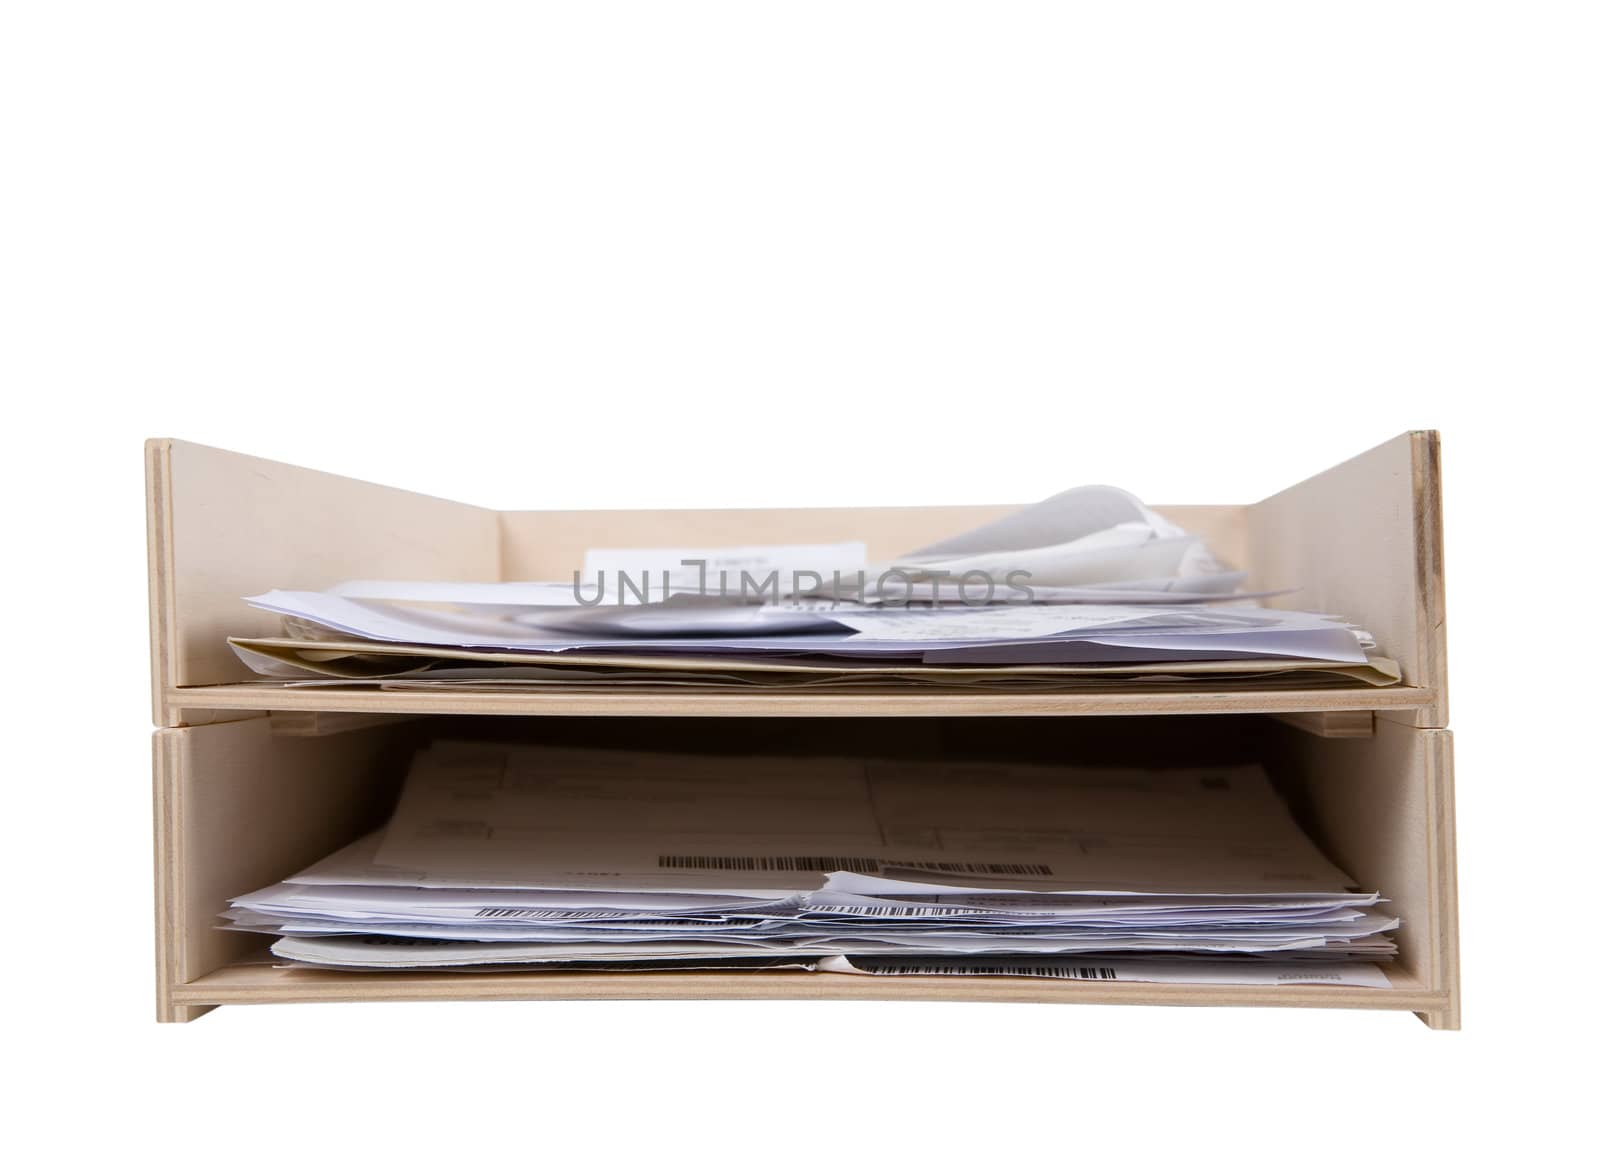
(558, 858)
(1087, 587)
(982, 635)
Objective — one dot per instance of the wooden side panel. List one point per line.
(169, 881)
(1383, 808)
(223, 525)
(1364, 540)
(237, 808)
(549, 544)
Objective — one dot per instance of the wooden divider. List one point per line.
(239, 807)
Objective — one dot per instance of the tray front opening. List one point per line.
(249, 806)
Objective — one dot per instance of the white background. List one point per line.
(746, 254)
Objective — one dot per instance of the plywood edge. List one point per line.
(1442, 864)
(158, 542)
(165, 871)
(575, 701)
(167, 794)
(265, 984)
(1428, 499)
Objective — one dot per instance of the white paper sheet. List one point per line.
(1087, 535)
(719, 570)
(1240, 972)
(651, 821)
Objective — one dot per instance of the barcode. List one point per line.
(998, 868)
(1051, 971)
(768, 862)
(540, 913)
(619, 919)
(892, 912)
(835, 862)
(404, 941)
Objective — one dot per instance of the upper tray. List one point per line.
(1362, 540)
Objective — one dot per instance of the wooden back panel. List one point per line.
(549, 544)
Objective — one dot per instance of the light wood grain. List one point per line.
(575, 701)
(238, 808)
(325, 723)
(242, 807)
(1363, 541)
(163, 575)
(1446, 937)
(223, 526)
(262, 984)
(171, 886)
(1348, 723)
(1382, 808)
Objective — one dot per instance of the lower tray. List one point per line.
(240, 806)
